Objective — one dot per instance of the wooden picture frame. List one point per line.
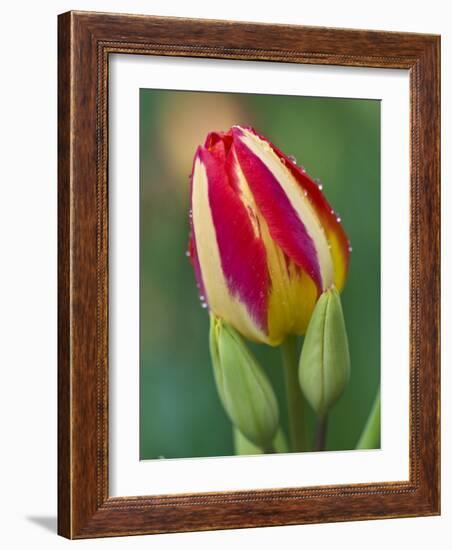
(85, 43)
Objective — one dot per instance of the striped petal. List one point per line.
(292, 292)
(335, 233)
(292, 220)
(231, 255)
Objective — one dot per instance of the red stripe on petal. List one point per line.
(214, 138)
(242, 253)
(284, 224)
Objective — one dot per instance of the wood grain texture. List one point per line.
(64, 295)
(85, 42)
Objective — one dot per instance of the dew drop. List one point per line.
(319, 183)
(190, 214)
(293, 159)
(187, 253)
(350, 248)
(204, 305)
(303, 169)
(338, 219)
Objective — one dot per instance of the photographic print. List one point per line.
(259, 274)
(248, 261)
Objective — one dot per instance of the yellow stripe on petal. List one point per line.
(301, 296)
(340, 260)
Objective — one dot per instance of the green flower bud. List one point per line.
(244, 447)
(244, 390)
(324, 367)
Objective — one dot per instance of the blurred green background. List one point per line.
(336, 140)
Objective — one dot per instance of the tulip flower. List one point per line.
(265, 243)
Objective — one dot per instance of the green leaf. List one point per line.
(324, 367)
(370, 437)
(244, 390)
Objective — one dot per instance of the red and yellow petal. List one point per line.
(292, 293)
(291, 218)
(232, 258)
(338, 240)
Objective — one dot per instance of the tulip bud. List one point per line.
(264, 242)
(244, 390)
(244, 447)
(324, 367)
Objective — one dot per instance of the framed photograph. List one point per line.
(248, 275)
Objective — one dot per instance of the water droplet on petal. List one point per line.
(204, 305)
(350, 248)
(338, 219)
(187, 253)
(303, 169)
(293, 159)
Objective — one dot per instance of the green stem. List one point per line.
(296, 403)
(370, 437)
(320, 433)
